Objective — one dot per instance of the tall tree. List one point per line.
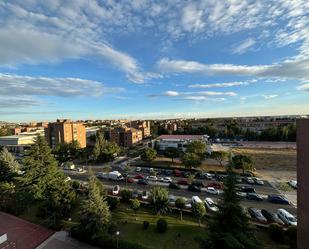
(180, 204)
(229, 227)
(197, 147)
(95, 213)
(67, 151)
(148, 154)
(171, 152)
(8, 165)
(219, 156)
(104, 151)
(198, 210)
(243, 162)
(191, 160)
(159, 200)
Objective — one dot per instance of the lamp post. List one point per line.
(117, 237)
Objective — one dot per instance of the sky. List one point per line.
(138, 59)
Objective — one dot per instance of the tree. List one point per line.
(148, 154)
(198, 210)
(243, 162)
(229, 227)
(197, 147)
(191, 160)
(65, 152)
(159, 200)
(171, 152)
(180, 204)
(104, 151)
(135, 204)
(95, 214)
(8, 165)
(219, 156)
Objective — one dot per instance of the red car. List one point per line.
(177, 172)
(139, 177)
(215, 185)
(183, 182)
(130, 180)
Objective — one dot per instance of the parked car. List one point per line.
(257, 215)
(211, 190)
(172, 199)
(177, 172)
(186, 174)
(198, 184)
(238, 179)
(216, 185)
(210, 204)
(199, 175)
(286, 217)
(135, 194)
(167, 172)
(144, 195)
(195, 199)
(138, 169)
(183, 182)
(174, 185)
(278, 199)
(139, 176)
(207, 176)
(247, 189)
(293, 184)
(129, 179)
(151, 178)
(167, 179)
(271, 217)
(115, 190)
(258, 181)
(143, 182)
(188, 204)
(254, 197)
(241, 194)
(194, 188)
(249, 180)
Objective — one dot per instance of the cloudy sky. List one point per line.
(88, 59)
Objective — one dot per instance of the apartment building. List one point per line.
(143, 126)
(125, 136)
(65, 131)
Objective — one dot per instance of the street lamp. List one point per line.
(117, 237)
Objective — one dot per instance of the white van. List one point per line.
(286, 217)
(196, 199)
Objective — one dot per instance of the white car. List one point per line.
(188, 204)
(241, 194)
(67, 179)
(258, 181)
(172, 199)
(167, 179)
(210, 204)
(116, 189)
(144, 195)
(250, 180)
(212, 190)
(293, 184)
(286, 217)
(151, 178)
(138, 169)
(196, 199)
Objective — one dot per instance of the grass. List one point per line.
(267, 241)
(285, 187)
(180, 234)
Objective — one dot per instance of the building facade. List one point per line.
(125, 136)
(65, 131)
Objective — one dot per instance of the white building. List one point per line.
(178, 141)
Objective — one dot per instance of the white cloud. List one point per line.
(270, 96)
(195, 98)
(171, 93)
(17, 85)
(192, 18)
(212, 93)
(243, 46)
(221, 85)
(295, 68)
(303, 87)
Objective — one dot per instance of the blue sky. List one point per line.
(137, 59)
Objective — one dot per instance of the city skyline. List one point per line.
(148, 59)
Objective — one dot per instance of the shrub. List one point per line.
(112, 228)
(145, 225)
(291, 234)
(112, 202)
(276, 233)
(161, 225)
(126, 195)
(75, 184)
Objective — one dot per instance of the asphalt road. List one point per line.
(264, 190)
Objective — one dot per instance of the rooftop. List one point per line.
(182, 137)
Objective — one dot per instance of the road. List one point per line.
(264, 190)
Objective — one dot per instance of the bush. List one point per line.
(291, 234)
(145, 225)
(112, 202)
(161, 225)
(112, 228)
(126, 195)
(276, 233)
(75, 184)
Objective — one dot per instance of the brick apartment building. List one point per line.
(143, 126)
(65, 131)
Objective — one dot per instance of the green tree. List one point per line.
(66, 152)
(95, 214)
(198, 210)
(135, 204)
(219, 156)
(197, 147)
(159, 200)
(104, 151)
(171, 152)
(180, 204)
(191, 160)
(148, 154)
(243, 162)
(229, 227)
(8, 165)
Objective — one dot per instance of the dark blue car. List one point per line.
(278, 199)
